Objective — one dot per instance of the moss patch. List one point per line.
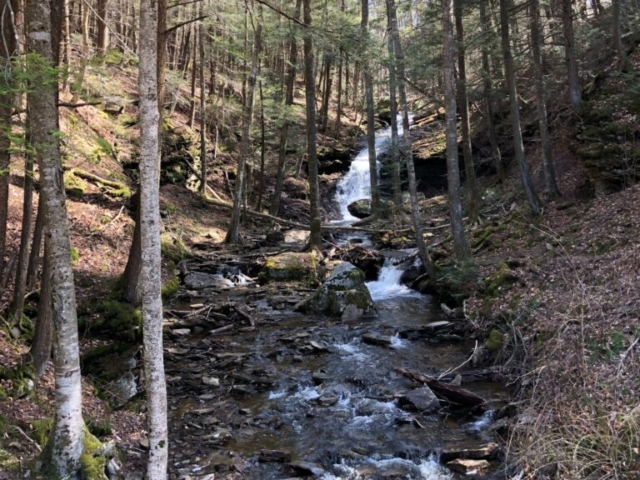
(119, 319)
(92, 460)
(173, 249)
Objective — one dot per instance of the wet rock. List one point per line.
(181, 331)
(288, 267)
(296, 236)
(468, 467)
(327, 399)
(343, 295)
(481, 452)
(308, 467)
(200, 281)
(411, 274)
(274, 237)
(367, 260)
(274, 456)
(422, 399)
(320, 376)
(360, 208)
(377, 339)
(211, 381)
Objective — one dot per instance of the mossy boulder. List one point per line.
(343, 295)
(360, 208)
(495, 341)
(74, 186)
(288, 267)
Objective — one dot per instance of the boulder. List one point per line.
(122, 390)
(296, 236)
(343, 295)
(289, 266)
(422, 399)
(201, 280)
(360, 208)
(274, 237)
(367, 260)
(469, 467)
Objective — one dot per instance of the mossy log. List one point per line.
(111, 187)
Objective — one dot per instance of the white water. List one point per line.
(356, 184)
(388, 284)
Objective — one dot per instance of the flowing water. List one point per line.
(332, 399)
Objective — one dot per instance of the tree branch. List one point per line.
(182, 24)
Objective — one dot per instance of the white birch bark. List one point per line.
(150, 234)
(66, 441)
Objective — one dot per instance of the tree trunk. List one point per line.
(406, 139)
(393, 112)
(575, 92)
(473, 200)
(40, 351)
(617, 37)
(203, 111)
(485, 22)
(66, 440)
(7, 95)
(150, 274)
(34, 256)
(371, 127)
(532, 197)
(339, 100)
(263, 146)
(460, 245)
(284, 130)
(131, 284)
(17, 306)
(103, 31)
(233, 235)
(326, 97)
(541, 92)
(315, 238)
(194, 76)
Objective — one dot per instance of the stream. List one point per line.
(299, 396)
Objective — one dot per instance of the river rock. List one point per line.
(201, 280)
(422, 399)
(481, 452)
(468, 467)
(122, 390)
(360, 208)
(274, 237)
(296, 236)
(289, 266)
(343, 295)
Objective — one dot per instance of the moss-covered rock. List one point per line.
(344, 294)
(173, 248)
(74, 186)
(288, 267)
(495, 341)
(118, 319)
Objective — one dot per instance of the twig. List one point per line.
(114, 219)
(451, 370)
(625, 355)
(31, 440)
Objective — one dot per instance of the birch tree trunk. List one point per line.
(509, 70)
(150, 274)
(460, 245)
(371, 127)
(66, 440)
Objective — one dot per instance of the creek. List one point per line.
(294, 396)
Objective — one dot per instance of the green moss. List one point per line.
(118, 318)
(173, 249)
(92, 460)
(495, 341)
(74, 186)
(500, 281)
(100, 428)
(290, 267)
(170, 288)
(75, 255)
(42, 430)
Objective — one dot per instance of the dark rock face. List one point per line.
(367, 260)
(422, 399)
(360, 208)
(334, 160)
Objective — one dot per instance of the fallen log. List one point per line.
(450, 392)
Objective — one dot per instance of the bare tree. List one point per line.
(460, 245)
(150, 273)
(575, 92)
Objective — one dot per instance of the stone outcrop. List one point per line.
(343, 295)
(360, 208)
(288, 267)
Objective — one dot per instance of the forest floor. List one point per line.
(562, 292)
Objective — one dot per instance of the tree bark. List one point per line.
(150, 274)
(284, 130)
(40, 351)
(233, 235)
(473, 194)
(575, 92)
(203, 111)
(460, 245)
(541, 92)
(66, 440)
(103, 31)
(371, 127)
(393, 112)
(34, 256)
(406, 139)
(315, 238)
(485, 22)
(620, 51)
(532, 197)
(7, 94)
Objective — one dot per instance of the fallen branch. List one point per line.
(111, 184)
(109, 223)
(199, 177)
(452, 393)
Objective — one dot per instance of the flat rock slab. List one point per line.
(468, 466)
(377, 339)
(201, 280)
(423, 400)
(481, 452)
(308, 467)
